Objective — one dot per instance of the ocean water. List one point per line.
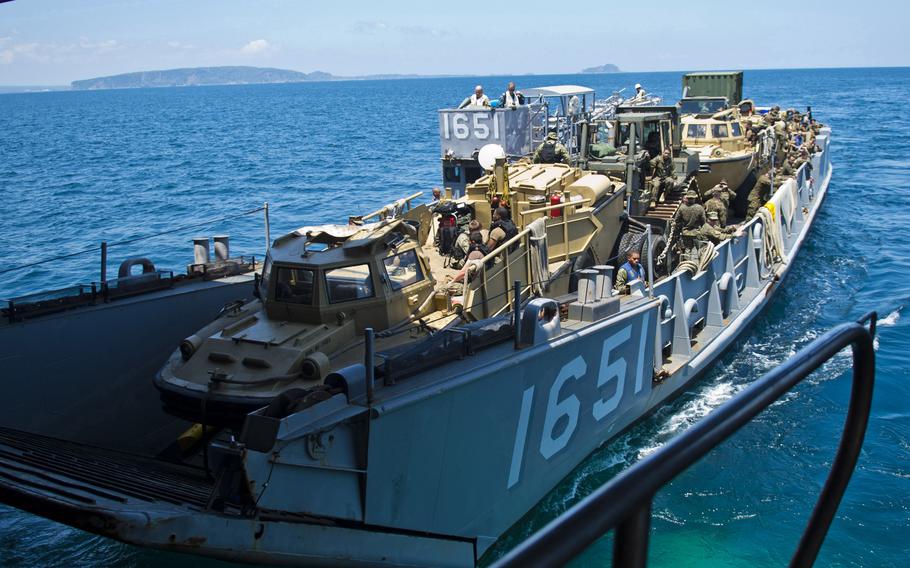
(78, 168)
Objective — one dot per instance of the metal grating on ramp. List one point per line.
(86, 474)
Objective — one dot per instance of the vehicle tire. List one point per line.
(658, 244)
(629, 242)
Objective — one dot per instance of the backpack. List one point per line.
(548, 152)
(510, 230)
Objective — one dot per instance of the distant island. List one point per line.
(605, 68)
(199, 76)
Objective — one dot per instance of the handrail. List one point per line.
(390, 206)
(625, 502)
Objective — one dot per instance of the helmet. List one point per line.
(551, 136)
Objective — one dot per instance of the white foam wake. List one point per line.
(891, 319)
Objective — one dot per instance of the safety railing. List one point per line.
(624, 504)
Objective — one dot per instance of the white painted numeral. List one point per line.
(521, 436)
(556, 409)
(481, 130)
(611, 371)
(460, 126)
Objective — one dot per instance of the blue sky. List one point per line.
(53, 42)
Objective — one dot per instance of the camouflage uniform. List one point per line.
(661, 177)
(723, 194)
(714, 233)
(759, 195)
(551, 151)
(689, 219)
(787, 169)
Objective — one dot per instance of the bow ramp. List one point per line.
(149, 502)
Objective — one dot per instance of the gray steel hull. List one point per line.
(456, 456)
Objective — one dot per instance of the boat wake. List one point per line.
(891, 319)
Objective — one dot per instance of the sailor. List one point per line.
(640, 93)
(462, 246)
(760, 193)
(628, 272)
(551, 151)
(689, 219)
(719, 200)
(511, 98)
(750, 133)
(691, 214)
(786, 169)
(437, 195)
(477, 100)
(662, 178)
(652, 144)
(502, 229)
(476, 252)
(712, 231)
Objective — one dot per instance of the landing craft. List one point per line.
(426, 451)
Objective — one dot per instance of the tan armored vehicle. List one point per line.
(390, 271)
(713, 126)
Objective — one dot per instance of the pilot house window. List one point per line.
(403, 269)
(294, 285)
(718, 130)
(696, 131)
(349, 283)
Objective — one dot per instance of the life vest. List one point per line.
(632, 274)
(511, 99)
(482, 101)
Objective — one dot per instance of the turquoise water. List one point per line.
(82, 167)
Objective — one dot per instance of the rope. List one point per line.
(133, 240)
(772, 241)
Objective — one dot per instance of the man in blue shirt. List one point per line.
(631, 270)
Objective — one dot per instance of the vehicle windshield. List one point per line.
(701, 106)
(349, 283)
(719, 131)
(294, 285)
(696, 131)
(403, 269)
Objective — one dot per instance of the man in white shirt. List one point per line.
(477, 100)
(511, 98)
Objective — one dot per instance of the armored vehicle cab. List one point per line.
(625, 146)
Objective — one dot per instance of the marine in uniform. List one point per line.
(551, 151)
(759, 195)
(662, 178)
(712, 231)
(719, 200)
(689, 219)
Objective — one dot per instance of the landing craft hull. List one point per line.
(455, 461)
